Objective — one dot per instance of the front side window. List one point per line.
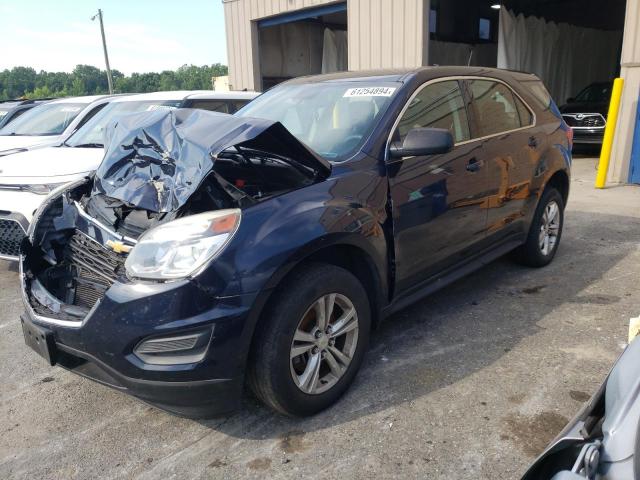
(333, 118)
(46, 119)
(439, 105)
(497, 109)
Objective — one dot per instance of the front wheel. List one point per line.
(545, 231)
(310, 344)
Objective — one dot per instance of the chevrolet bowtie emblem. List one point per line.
(118, 246)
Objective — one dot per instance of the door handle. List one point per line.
(473, 165)
(533, 142)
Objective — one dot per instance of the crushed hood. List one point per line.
(156, 160)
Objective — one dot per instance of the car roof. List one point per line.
(27, 101)
(404, 75)
(187, 94)
(85, 99)
(212, 95)
(164, 95)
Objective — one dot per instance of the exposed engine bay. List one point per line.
(159, 166)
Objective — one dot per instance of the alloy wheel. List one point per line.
(549, 228)
(324, 343)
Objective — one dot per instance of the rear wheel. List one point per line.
(545, 231)
(311, 342)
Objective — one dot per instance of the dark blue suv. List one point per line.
(211, 251)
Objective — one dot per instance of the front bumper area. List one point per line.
(191, 398)
(588, 136)
(13, 229)
(101, 347)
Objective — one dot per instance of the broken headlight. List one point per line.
(179, 248)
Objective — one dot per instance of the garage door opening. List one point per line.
(304, 42)
(463, 32)
(570, 44)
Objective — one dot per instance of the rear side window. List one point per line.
(211, 105)
(439, 105)
(90, 115)
(17, 114)
(497, 108)
(539, 92)
(526, 117)
(238, 104)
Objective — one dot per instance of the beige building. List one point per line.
(568, 43)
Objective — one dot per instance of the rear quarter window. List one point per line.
(495, 107)
(539, 93)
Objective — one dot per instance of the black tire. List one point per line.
(530, 253)
(270, 371)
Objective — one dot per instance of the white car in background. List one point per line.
(26, 178)
(49, 123)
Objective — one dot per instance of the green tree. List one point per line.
(89, 80)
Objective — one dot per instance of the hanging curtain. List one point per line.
(334, 51)
(450, 53)
(567, 58)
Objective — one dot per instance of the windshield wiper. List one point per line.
(87, 145)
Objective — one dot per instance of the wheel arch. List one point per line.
(560, 181)
(348, 255)
(353, 257)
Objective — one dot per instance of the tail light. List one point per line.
(569, 133)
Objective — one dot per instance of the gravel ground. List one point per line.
(470, 383)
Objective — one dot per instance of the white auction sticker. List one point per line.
(370, 92)
(70, 109)
(151, 108)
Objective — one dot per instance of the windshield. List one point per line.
(333, 119)
(596, 93)
(46, 119)
(91, 133)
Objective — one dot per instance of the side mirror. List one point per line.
(571, 100)
(423, 141)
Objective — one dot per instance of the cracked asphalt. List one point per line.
(469, 383)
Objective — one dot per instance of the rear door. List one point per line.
(437, 199)
(510, 152)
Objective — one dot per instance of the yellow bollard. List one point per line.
(609, 132)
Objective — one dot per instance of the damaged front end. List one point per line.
(166, 199)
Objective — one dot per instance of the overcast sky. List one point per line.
(142, 35)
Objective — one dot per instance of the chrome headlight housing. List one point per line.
(180, 248)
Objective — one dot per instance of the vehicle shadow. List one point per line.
(460, 330)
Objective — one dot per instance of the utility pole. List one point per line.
(104, 47)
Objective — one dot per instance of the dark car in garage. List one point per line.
(212, 251)
(586, 113)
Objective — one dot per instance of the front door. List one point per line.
(437, 200)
